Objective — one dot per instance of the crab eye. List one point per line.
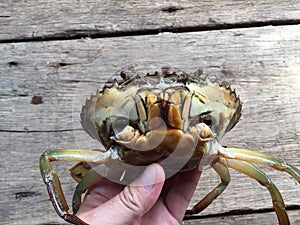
(208, 122)
(205, 118)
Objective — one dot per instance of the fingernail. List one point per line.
(148, 178)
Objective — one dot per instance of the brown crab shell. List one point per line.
(117, 101)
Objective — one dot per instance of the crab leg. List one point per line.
(79, 170)
(252, 171)
(223, 172)
(91, 178)
(260, 158)
(53, 183)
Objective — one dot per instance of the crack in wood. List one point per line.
(26, 194)
(51, 224)
(172, 9)
(39, 131)
(240, 212)
(12, 64)
(75, 34)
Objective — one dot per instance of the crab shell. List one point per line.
(146, 118)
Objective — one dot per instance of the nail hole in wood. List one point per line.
(171, 9)
(13, 64)
(36, 100)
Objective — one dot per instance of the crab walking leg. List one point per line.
(91, 178)
(260, 158)
(53, 183)
(252, 171)
(79, 170)
(224, 174)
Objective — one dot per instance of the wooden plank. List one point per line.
(261, 63)
(23, 197)
(65, 19)
(259, 218)
(23, 193)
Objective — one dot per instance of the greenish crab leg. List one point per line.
(260, 158)
(252, 171)
(53, 183)
(91, 178)
(224, 174)
(79, 170)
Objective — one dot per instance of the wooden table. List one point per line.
(54, 53)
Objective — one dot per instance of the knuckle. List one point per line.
(131, 201)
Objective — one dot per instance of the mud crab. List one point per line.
(175, 119)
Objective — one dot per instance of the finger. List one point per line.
(179, 191)
(98, 194)
(131, 203)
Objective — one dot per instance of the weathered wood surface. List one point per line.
(249, 219)
(263, 64)
(54, 19)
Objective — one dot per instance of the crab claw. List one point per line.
(132, 139)
(202, 132)
(128, 136)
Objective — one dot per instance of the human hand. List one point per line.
(147, 200)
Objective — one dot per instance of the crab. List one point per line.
(171, 118)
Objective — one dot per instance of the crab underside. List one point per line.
(175, 119)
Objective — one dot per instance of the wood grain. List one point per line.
(263, 64)
(250, 219)
(26, 20)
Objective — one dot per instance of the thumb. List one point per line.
(135, 200)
